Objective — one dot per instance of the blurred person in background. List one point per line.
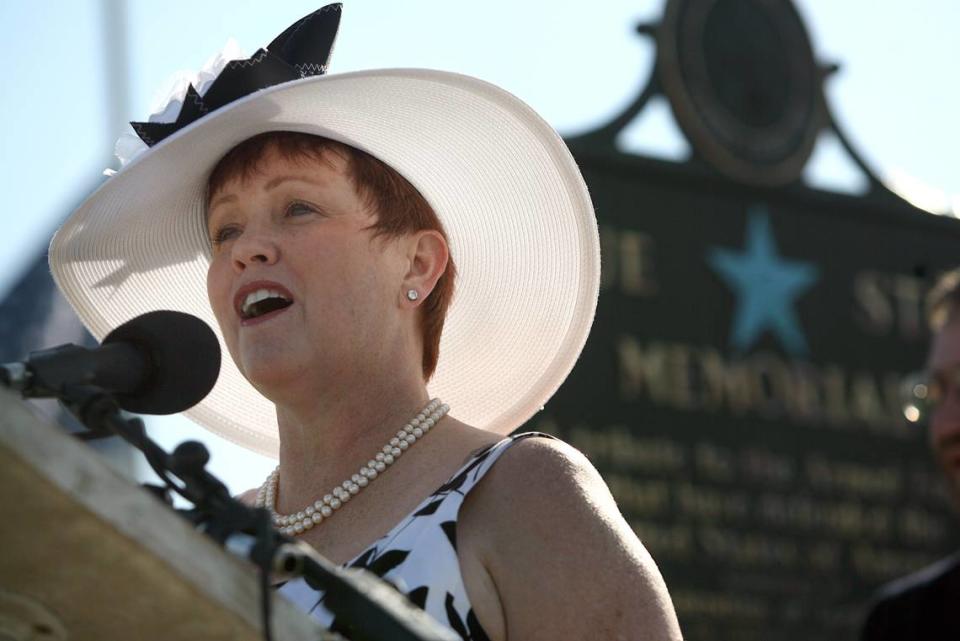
(925, 606)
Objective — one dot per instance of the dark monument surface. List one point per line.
(740, 391)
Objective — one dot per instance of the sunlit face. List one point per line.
(296, 231)
(945, 418)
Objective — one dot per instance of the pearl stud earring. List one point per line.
(413, 294)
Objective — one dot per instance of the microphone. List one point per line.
(161, 362)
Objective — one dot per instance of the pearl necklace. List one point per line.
(322, 509)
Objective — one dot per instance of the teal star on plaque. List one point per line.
(766, 286)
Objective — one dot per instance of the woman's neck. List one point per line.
(326, 439)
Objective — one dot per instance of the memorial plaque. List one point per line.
(740, 394)
(740, 391)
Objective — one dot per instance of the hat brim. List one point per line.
(517, 212)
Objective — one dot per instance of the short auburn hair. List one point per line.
(399, 207)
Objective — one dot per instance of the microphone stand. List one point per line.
(370, 609)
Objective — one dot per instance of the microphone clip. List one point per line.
(16, 377)
(99, 412)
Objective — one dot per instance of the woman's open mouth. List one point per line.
(262, 304)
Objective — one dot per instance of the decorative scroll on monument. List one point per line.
(740, 390)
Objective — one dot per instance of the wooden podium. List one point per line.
(86, 554)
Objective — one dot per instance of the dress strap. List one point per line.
(476, 468)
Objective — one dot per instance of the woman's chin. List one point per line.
(270, 376)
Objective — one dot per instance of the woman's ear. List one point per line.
(427, 260)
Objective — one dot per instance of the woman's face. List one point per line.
(297, 235)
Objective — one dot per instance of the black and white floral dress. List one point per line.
(419, 555)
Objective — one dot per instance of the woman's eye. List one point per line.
(224, 234)
(299, 209)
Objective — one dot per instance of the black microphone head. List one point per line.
(184, 357)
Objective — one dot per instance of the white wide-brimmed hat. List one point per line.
(515, 207)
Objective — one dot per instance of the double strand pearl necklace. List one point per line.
(314, 514)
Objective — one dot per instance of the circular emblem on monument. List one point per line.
(742, 81)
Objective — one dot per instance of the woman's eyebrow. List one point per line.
(271, 184)
(274, 182)
(219, 200)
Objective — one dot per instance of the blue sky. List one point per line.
(897, 93)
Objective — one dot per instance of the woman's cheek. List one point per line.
(218, 293)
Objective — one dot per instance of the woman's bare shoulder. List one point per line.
(534, 465)
(543, 516)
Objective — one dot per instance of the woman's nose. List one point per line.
(254, 247)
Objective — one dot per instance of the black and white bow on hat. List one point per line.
(302, 50)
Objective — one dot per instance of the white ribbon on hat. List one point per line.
(166, 104)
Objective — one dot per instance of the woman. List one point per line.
(329, 271)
